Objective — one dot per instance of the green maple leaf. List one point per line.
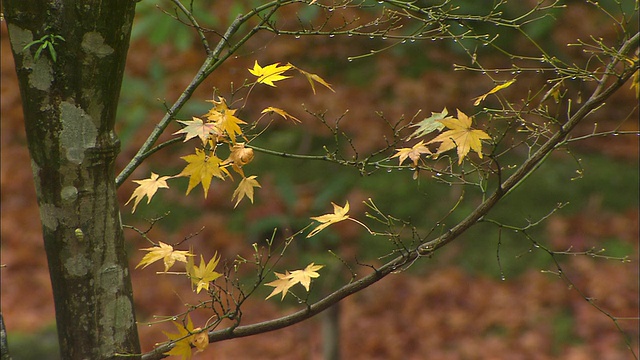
(430, 124)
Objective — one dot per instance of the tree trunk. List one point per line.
(70, 96)
(331, 333)
(4, 347)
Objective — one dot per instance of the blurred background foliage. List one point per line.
(600, 207)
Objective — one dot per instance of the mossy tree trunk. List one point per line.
(70, 97)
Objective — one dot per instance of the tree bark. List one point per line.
(4, 346)
(70, 97)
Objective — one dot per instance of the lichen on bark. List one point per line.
(70, 106)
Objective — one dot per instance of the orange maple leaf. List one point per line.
(239, 156)
(224, 119)
(339, 214)
(201, 169)
(461, 136)
(412, 153)
(165, 252)
(148, 188)
(245, 188)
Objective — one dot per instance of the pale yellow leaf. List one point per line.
(199, 128)
(245, 188)
(148, 188)
(304, 276)
(313, 78)
(203, 274)
(412, 153)
(165, 252)
(288, 279)
(281, 285)
(339, 214)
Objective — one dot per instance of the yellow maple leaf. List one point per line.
(186, 337)
(201, 169)
(203, 274)
(270, 73)
(461, 136)
(497, 88)
(635, 83)
(199, 128)
(288, 279)
(282, 284)
(148, 188)
(313, 78)
(280, 112)
(182, 345)
(225, 119)
(304, 276)
(339, 214)
(554, 92)
(165, 252)
(412, 153)
(245, 188)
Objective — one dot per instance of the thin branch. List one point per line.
(212, 61)
(599, 95)
(195, 24)
(289, 155)
(144, 150)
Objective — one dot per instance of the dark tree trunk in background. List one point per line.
(331, 333)
(69, 108)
